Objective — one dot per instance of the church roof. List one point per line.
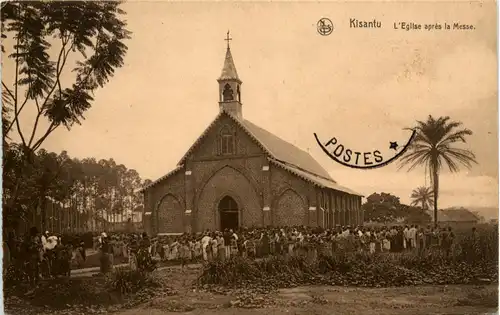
(281, 152)
(286, 152)
(229, 69)
(317, 180)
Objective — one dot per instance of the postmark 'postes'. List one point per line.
(363, 159)
(324, 26)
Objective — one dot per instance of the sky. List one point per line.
(362, 86)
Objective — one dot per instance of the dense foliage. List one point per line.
(469, 262)
(61, 193)
(44, 45)
(130, 281)
(386, 208)
(88, 37)
(97, 295)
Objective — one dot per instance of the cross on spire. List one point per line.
(228, 39)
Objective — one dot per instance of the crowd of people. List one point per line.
(40, 255)
(135, 247)
(262, 242)
(51, 255)
(48, 255)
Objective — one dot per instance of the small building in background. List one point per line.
(456, 217)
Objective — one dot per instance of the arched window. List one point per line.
(227, 94)
(239, 93)
(227, 142)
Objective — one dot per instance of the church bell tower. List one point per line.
(230, 86)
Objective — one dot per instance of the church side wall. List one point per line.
(174, 188)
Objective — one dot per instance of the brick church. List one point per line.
(237, 174)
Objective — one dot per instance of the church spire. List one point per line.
(229, 69)
(230, 85)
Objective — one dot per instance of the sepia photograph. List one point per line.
(250, 157)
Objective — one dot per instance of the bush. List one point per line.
(14, 274)
(130, 281)
(123, 288)
(144, 260)
(355, 269)
(61, 293)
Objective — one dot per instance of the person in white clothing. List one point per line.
(234, 242)
(413, 236)
(406, 237)
(346, 232)
(205, 241)
(44, 240)
(300, 237)
(50, 253)
(52, 242)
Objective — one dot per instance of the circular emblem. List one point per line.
(325, 26)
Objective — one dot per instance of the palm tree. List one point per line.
(433, 148)
(422, 196)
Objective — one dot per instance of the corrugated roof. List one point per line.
(274, 146)
(322, 182)
(455, 215)
(229, 69)
(285, 151)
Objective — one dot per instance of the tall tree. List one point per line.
(92, 33)
(434, 146)
(387, 208)
(423, 197)
(383, 207)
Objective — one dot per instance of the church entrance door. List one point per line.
(229, 214)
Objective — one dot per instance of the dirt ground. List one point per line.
(328, 300)
(320, 300)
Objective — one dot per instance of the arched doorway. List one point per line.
(229, 215)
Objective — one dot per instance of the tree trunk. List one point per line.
(435, 181)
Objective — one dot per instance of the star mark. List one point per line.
(394, 145)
